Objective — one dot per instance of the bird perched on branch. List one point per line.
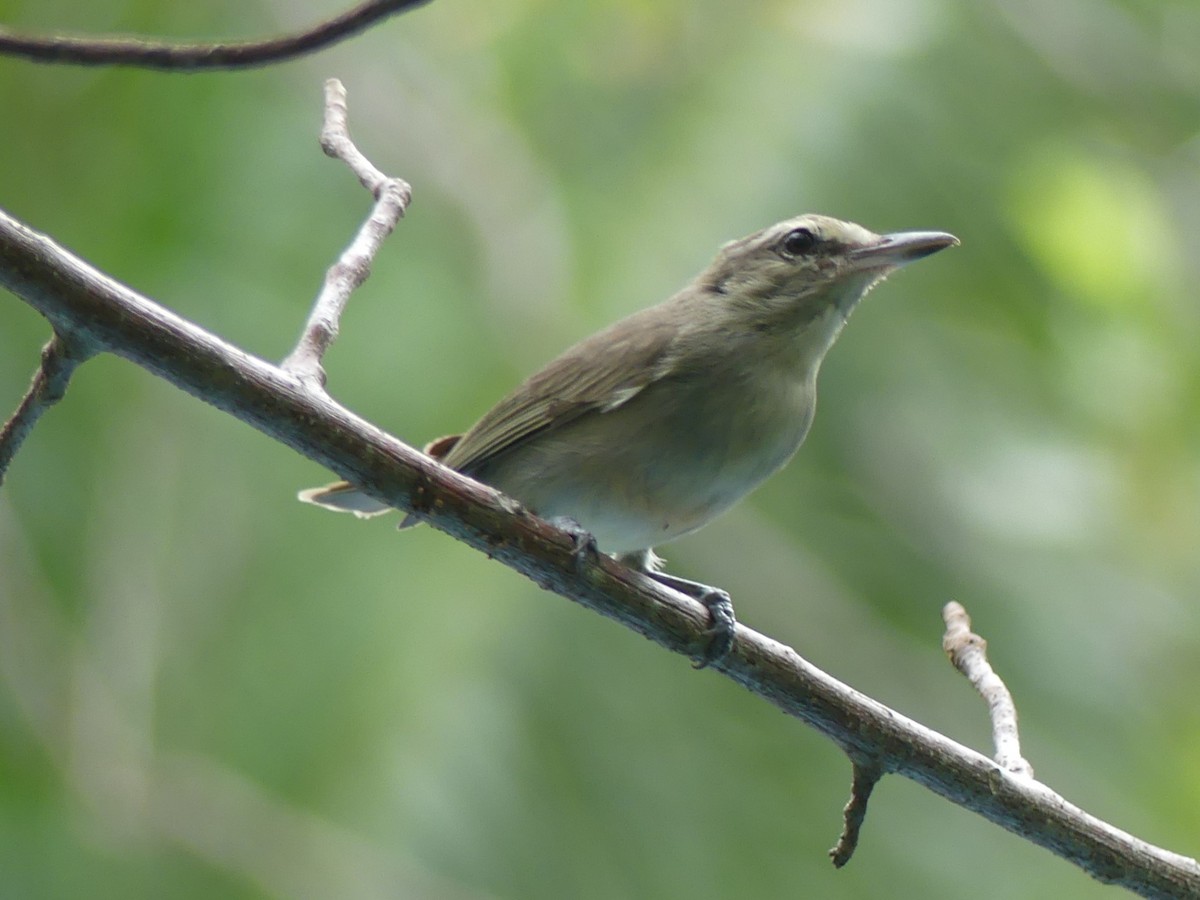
(647, 430)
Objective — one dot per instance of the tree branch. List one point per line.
(392, 196)
(60, 357)
(193, 57)
(80, 300)
(865, 776)
(70, 293)
(968, 653)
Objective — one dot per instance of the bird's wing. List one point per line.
(597, 375)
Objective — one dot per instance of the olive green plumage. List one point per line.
(648, 429)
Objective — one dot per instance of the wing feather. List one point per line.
(595, 376)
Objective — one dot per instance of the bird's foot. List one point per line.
(722, 627)
(584, 548)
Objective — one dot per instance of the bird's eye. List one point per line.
(798, 242)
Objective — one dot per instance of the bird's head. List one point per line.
(802, 270)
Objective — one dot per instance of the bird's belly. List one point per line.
(635, 482)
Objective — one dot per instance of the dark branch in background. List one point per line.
(968, 652)
(79, 300)
(194, 57)
(60, 357)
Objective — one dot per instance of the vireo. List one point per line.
(649, 429)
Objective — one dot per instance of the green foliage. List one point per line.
(207, 689)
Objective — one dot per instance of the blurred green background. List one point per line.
(209, 690)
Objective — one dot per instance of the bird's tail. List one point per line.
(342, 496)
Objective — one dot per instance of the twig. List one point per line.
(968, 653)
(866, 776)
(392, 196)
(60, 357)
(184, 57)
(336, 142)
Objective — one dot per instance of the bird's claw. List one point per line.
(721, 630)
(722, 626)
(583, 544)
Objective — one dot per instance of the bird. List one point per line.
(652, 427)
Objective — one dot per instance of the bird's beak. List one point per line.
(901, 248)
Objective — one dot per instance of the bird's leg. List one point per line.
(722, 626)
(584, 546)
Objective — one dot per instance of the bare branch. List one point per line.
(392, 196)
(286, 404)
(192, 57)
(336, 142)
(60, 357)
(968, 652)
(69, 292)
(866, 776)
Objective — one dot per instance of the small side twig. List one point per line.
(60, 357)
(866, 776)
(191, 57)
(392, 196)
(968, 653)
